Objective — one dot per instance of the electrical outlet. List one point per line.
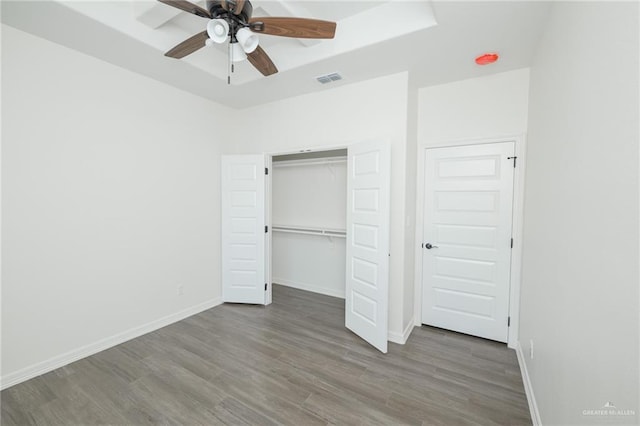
(531, 348)
(180, 290)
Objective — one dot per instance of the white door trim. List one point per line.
(268, 209)
(518, 209)
(269, 206)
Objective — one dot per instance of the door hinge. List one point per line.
(266, 170)
(266, 229)
(508, 321)
(512, 243)
(265, 286)
(514, 160)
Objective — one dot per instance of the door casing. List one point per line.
(269, 206)
(518, 208)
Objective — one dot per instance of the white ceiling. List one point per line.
(435, 41)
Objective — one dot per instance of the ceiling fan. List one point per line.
(231, 20)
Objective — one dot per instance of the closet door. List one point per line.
(243, 229)
(367, 281)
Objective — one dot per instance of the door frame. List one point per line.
(269, 204)
(516, 225)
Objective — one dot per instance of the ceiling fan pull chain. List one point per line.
(229, 63)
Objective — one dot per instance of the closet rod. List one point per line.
(311, 231)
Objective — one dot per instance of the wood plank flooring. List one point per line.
(290, 363)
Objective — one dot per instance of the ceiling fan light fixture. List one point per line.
(247, 39)
(218, 30)
(237, 53)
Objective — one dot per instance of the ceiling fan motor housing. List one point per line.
(216, 9)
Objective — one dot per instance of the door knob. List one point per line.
(429, 246)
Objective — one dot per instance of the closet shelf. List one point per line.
(310, 162)
(340, 233)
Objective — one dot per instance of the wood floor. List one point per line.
(290, 363)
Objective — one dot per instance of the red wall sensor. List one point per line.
(487, 58)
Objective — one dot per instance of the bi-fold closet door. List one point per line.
(246, 249)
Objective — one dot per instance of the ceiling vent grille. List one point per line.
(329, 78)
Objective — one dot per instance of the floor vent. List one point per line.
(328, 78)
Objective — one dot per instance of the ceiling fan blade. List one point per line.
(294, 27)
(188, 7)
(224, 4)
(188, 46)
(262, 62)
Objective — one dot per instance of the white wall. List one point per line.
(337, 117)
(484, 107)
(580, 271)
(313, 196)
(110, 187)
(310, 262)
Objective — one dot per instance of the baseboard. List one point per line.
(106, 343)
(528, 388)
(309, 287)
(401, 338)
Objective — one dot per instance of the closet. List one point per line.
(317, 221)
(308, 205)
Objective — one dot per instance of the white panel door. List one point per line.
(243, 229)
(367, 280)
(467, 239)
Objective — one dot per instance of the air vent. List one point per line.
(328, 78)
